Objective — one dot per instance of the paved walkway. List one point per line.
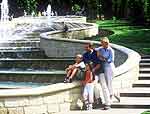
(111, 111)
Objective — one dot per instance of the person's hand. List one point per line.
(93, 70)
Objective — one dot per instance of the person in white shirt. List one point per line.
(73, 69)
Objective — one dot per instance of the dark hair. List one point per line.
(90, 45)
(90, 66)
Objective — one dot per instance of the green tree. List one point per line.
(28, 5)
(147, 10)
(91, 8)
(76, 8)
(136, 8)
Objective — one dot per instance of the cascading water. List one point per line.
(49, 13)
(4, 11)
(5, 26)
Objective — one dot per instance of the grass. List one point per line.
(146, 112)
(134, 37)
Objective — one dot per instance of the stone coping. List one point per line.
(43, 19)
(33, 72)
(93, 25)
(39, 90)
(25, 59)
(132, 60)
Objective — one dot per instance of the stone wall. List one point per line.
(42, 19)
(60, 47)
(55, 46)
(42, 100)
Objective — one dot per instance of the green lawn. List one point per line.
(134, 37)
(146, 112)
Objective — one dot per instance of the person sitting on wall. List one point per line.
(76, 69)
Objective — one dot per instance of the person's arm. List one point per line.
(111, 56)
(96, 67)
(81, 65)
(71, 67)
(100, 56)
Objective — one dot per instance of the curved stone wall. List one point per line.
(57, 47)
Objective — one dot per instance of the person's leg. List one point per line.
(105, 89)
(85, 96)
(74, 71)
(68, 72)
(97, 90)
(108, 76)
(91, 95)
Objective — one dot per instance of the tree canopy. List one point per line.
(135, 10)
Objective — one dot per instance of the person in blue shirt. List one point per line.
(106, 54)
(90, 56)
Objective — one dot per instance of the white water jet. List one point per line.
(5, 25)
(49, 14)
(49, 11)
(4, 11)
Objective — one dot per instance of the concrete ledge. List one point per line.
(54, 88)
(41, 19)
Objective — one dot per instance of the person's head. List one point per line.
(88, 47)
(104, 42)
(78, 58)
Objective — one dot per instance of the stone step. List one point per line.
(20, 85)
(36, 59)
(30, 71)
(21, 43)
(20, 54)
(29, 63)
(145, 65)
(144, 70)
(142, 83)
(145, 76)
(100, 111)
(53, 76)
(135, 92)
(145, 57)
(133, 102)
(147, 60)
(16, 49)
